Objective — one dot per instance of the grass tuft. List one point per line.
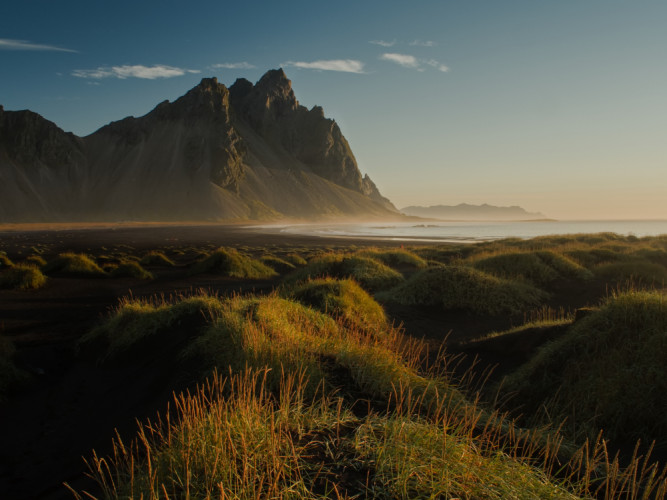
(130, 269)
(22, 277)
(155, 258)
(369, 273)
(229, 262)
(134, 320)
(396, 259)
(5, 261)
(36, 260)
(74, 264)
(279, 265)
(462, 287)
(344, 300)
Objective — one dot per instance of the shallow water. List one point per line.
(471, 231)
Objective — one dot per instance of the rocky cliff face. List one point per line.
(250, 151)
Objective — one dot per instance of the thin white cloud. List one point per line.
(383, 43)
(404, 60)
(435, 64)
(237, 65)
(409, 61)
(343, 65)
(135, 71)
(422, 43)
(9, 44)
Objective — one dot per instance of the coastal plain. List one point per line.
(488, 312)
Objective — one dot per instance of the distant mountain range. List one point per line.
(247, 152)
(464, 211)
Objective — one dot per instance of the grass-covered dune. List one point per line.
(464, 287)
(370, 273)
(230, 262)
(74, 264)
(282, 418)
(607, 373)
(22, 277)
(538, 267)
(309, 389)
(343, 299)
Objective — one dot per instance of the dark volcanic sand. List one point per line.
(72, 406)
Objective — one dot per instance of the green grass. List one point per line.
(74, 264)
(445, 254)
(395, 258)
(279, 265)
(342, 299)
(22, 277)
(538, 267)
(155, 258)
(36, 260)
(279, 424)
(369, 273)
(5, 261)
(130, 269)
(636, 271)
(134, 320)
(608, 372)
(543, 317)
(295, 259)
(229, 262)
(462, 287)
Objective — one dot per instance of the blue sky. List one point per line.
(558, 106)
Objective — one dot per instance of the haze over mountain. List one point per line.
(463, 211)
(216, 153)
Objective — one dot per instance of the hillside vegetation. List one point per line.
(330, 372)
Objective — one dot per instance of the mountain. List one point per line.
(216, 153)
(464, 211)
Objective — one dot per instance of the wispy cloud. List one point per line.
(236, 65)
(136, 71)
(422, 43)
(9, 44)
(344, 65)
(404, 60)
(383, 43)
(409, 61)
(435, 64)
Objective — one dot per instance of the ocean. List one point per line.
(472, 231)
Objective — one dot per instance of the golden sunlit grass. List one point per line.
(22, 277)
(396, 259)
(342, 299)
(130, 269)
(155, 258)
(543, 317)
(133, 320)
(74, 264)
(229, 262)
(36, 260)
(321, 397)
(279, 265)
(371, 274)
(5, 261)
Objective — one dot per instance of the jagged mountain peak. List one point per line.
(248, 151)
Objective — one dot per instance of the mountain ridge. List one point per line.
(465, 211)
(248, 152)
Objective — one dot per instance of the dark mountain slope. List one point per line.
(248, 152)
